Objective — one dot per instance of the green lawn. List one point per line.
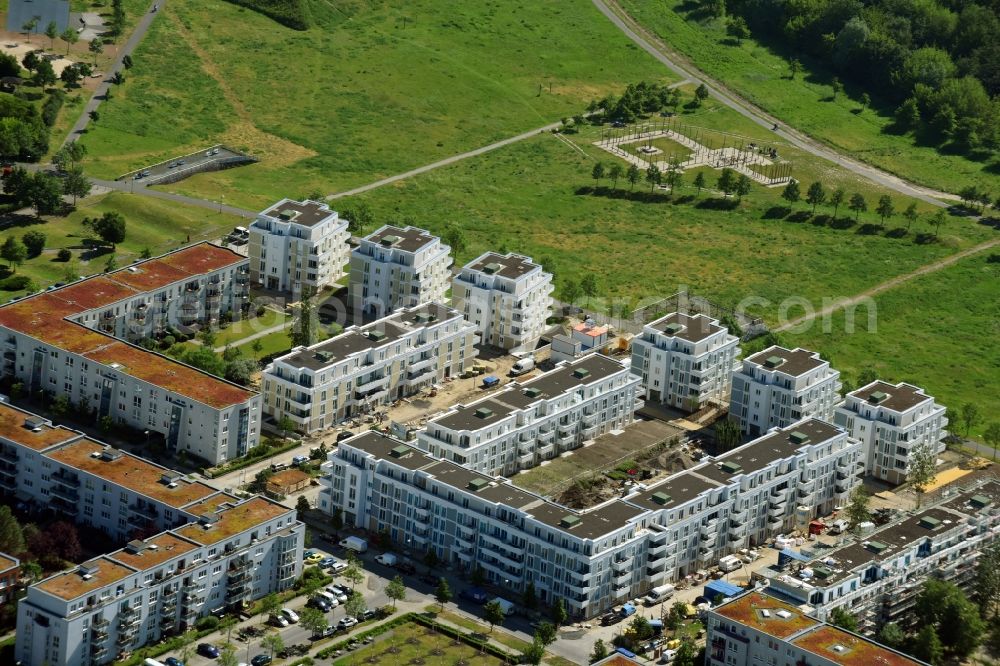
(937, 331)
(372, 90)
(761, 75)
(410, 642)
(158, 225)
(669, 150)
(246, 327)
(500, 636)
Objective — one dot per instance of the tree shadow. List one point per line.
(867, 229)
(925, 238)
(821, 220)
(684, 199)
(717, 203)
(777, 213)
(799, 216)
(898, 232)
(993, 222)
(842, 223)
(13, 220)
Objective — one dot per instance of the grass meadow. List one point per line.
(760, 75)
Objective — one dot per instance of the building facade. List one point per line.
(779, 386)
(508, 298)
(523, 424)
(72, 342)
(877, 577)
(10, 576)
(235, 552)
(892, 421)
(597, 558)
(685, 360)
(755, 628)
(367, 366)
(396, 268)
(296, 245)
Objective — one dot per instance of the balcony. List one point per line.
(415, 377)
(98, 635)
(775, 511)
(738, 517)
(622, 565)
(589, 420)
(9, 455)
(61, 505)
(371, 384)
(526, 460)
(421, 364)
(843, 471)
(421, 515)
(842, 487)
(547, 451)
(620, 580)
(567, 430)
(65, 479)
(775, 522)
(657, 551)
(144, 510)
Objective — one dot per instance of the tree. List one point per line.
(866, 100)
(34, 242)
(588, 285)
(64, 255)
(857, 204)
(675, 177)
(597, 173)
(94, 116)
(70, 36)
(911, 214)
(921, 471)
(44, 74)
(970, 416)
(699, 181)
(937, 221)
(841, 618)
(478, 576)
(927, 647)
(13, 252)
(837, 86)
(256, 347)
(558, 613)
(272, 642)
(857, 510)
(700, 94)
(443, 592)
(356, 605)
(955, 620)
(743, 186)
(353, 573)
(227, 656)
(546, 633)
(95, 48)
(633, 175)
(885, 208)
(76, 184)
(727, 434)
(599, 652)
(314, 620)
(736, 27)
(992, 436)
(109, 227)
(533, 653)
(892, 636)
(240, 370)
(986, 584)
(454, 237)
(727, 181)
(11, 534)
(815, 195)
(493, 613)
(686, 654)
(71, 76)
(396, 590)
(304, 328)
(794, 67)
(653, 176)
(571, 292)
(791, 193)
(615, 173)
(270, 605)
(302, 505)
(29, 27)
(836, 199)
(52, 31)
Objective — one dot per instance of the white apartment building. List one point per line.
(67, 341)
(367, 366)
(235, 552)
(779, 386)
(597, 558)
(685, 360)
(755, 628)
(508, 298)
(523, 424)
(877, 577)
(296, 245)
(892, 421)
(396, 268)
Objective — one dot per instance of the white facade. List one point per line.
(237, 551)
(508, 298)
(296, 245)
(780, 386)
(600, 557)
(523, 424)
(367, 366)
(892, 422)
(63, 342)
(685, 361)
(396, 268)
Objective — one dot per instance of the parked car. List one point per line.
(327, 562)
(369, 614)
(346, 434)
(208, 650)
(290, 615)
(298, 460)
(279, 621)
(173, 661)
(313, 558)
(328, 631)
(339, 593)
(337, 566)
(406, 567)
(261, 660)
(346, 623)
(319, 603)
(473, 594)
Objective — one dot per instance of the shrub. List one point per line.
(207, 623)
(15, 283)
(64, 255)
(51, 106)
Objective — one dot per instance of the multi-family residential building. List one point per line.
(10, 574)
(780, 386)
(521, 425)
(234, 552)
(892, 421)
(367, 366)
(757, 629)
(297, 245)
(396, 268)
(508, 298)
(877, 577)
(596, 558)
(72, 342)
(685, 360)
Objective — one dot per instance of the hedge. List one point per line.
(240, 463)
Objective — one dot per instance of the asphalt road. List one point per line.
(192, 163)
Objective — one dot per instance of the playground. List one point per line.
(670, 144)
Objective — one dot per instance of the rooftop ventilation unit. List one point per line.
(490, 269)
(569, 521)
(87, 569)
(484, 413)
(783, 614)
(798, 437)
(170, 477)
(324, 356)
(399, 451)
(581, 373)
(773, 361)
(288, 214)
(208, 518)
(389, 241)
(532, 392)
(878, 397)
(135, 546)
(730, 467)
(927, 522)
(980, 501)
(376, 336)
(660, 498)
(110, 454)
(876, 547)
(477, 484)
(35, 424)
(673, 329)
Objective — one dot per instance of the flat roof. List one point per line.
(234, 520)
(12, 428)
(678, 489)
(70, 585)
(132, 472)
(94, 292)
(565, 378)
(408, 239)
(899, 397)
(154, 551)
(842, 647)
(591, 330)
(306, 213)
(183, 264)
(509, 265)
(692, 328)
(794, 362)
(496, 490)
(384, 447)
(7, 562)
(475, 416)
(746, 609)
(593, 523)
(764, 450)
(171, 375)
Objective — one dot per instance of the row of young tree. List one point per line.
(938, 61)
(729, 181)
